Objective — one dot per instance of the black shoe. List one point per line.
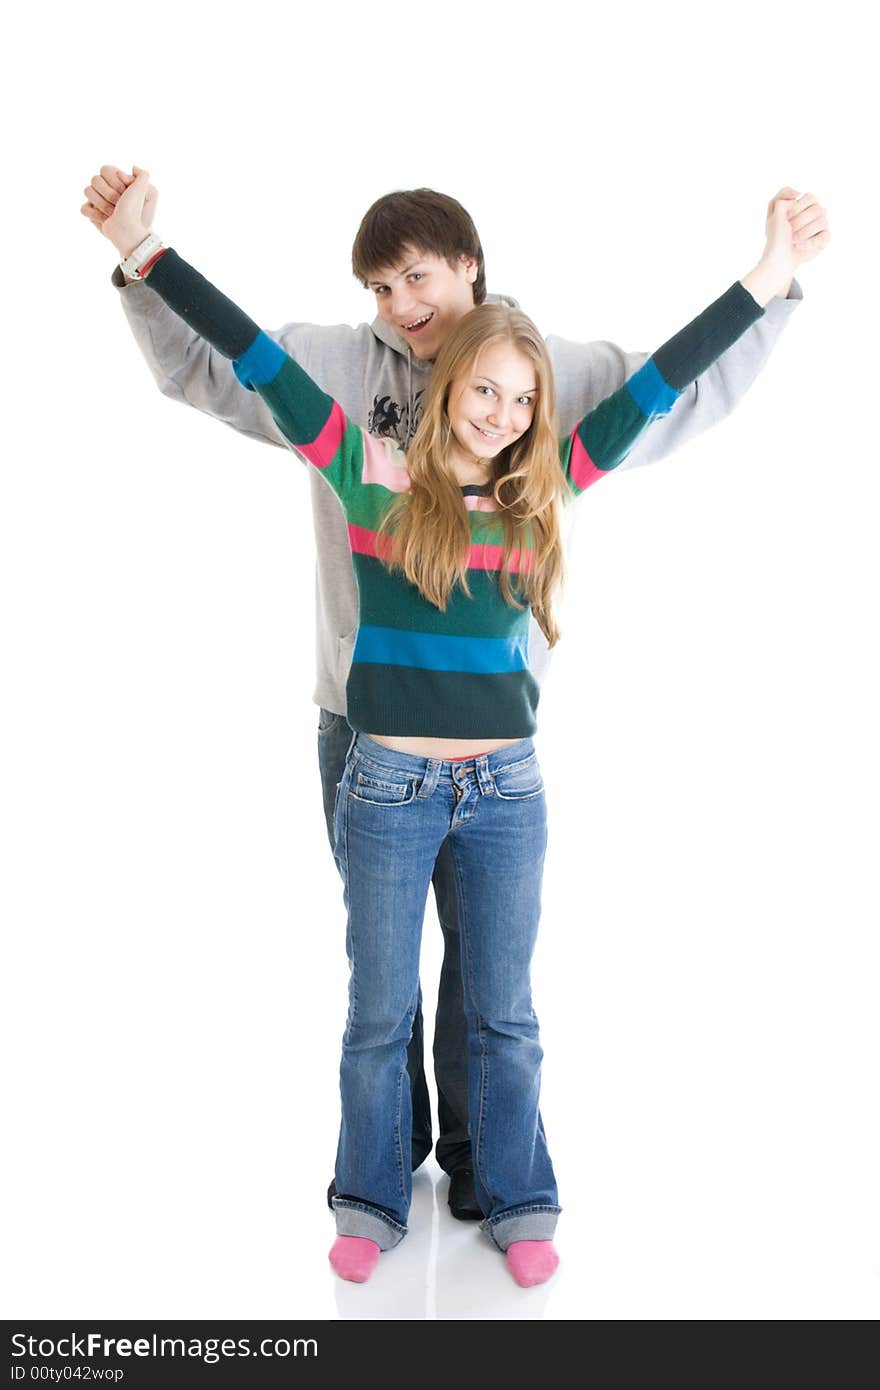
(462, 1198)
(331, 1193)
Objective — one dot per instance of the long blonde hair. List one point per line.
(427, 528)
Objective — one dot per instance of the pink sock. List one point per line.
(532, 1261)
(355, 1258)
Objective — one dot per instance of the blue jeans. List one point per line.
(450, 1028)
(393, 813)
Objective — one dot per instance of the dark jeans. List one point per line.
(450, 1026)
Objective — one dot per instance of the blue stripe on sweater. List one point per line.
(650, 392)
(261, 363)
(429, 651)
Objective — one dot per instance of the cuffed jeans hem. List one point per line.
(524, 1223)
(357, 1219)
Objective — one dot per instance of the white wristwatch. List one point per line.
(131, 266)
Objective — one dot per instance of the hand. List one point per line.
(809, 226)
(797, 230)
(102, 198)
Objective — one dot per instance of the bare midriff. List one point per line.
(444, 747)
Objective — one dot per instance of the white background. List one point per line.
(707, 969)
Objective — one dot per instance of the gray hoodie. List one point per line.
(380, 384)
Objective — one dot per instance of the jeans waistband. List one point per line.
(437, 769)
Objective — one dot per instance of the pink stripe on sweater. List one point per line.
(366, 542)
(476, 503)
(482, 557)
(322, 450)
(582, 469)
(384, 464)
(491, 557)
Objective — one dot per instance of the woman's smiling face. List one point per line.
(491, 403)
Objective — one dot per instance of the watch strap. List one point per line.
(135, 261)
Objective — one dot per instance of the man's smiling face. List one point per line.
(423, 297)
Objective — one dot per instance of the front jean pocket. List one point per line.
(519, 781)
(373, 791)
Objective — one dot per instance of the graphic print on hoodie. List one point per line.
(392, 421)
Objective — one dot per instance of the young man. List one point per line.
(419, 254)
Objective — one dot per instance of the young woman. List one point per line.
(452, 547)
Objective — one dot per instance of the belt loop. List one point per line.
(429, 781)
(484, 776)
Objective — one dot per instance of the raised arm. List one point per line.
(310, 420)
(588, 372)
(605, 436)
(189, 370)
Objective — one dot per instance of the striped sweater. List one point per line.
(417, 671)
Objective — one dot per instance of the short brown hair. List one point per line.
(430, 222)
